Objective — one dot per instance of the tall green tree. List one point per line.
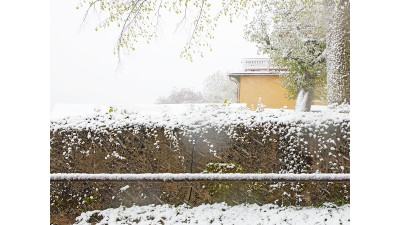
(292, 33)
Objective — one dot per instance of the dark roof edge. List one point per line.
(253, 74)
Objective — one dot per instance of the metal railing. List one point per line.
(195, 177)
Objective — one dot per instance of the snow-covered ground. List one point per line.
(61, 111)
(67, 110)
(219, 213)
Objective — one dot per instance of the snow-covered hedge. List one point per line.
(186, 138)
(301, 137)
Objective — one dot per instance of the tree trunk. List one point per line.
(304, 100)
(337, 18)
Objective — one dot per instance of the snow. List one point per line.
(303, 99)
(95, 117)
(124, 188)
(61, 111)
(176, 177)
(219, 213)
(65, 110)
(194, 120)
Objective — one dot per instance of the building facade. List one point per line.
(258, 80)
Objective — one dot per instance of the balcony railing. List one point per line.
(255, 64)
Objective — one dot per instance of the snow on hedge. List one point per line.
(219, 213)
(289, 129)
(176, 177)
(187, 115)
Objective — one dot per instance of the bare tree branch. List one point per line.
(124, 27)
(197, 22)
(158, 14)
(183, 18)
(87, 12)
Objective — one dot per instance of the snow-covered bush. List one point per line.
(187, 139)
(218, 88)
(280, 193)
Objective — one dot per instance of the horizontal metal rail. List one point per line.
(194, 177)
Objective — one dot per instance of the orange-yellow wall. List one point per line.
(267, 87)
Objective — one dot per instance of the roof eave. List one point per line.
(252, 74)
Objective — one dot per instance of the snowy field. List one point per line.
(218, 214)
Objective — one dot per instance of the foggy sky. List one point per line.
(83, 66)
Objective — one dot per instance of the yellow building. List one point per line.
(259, 80)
